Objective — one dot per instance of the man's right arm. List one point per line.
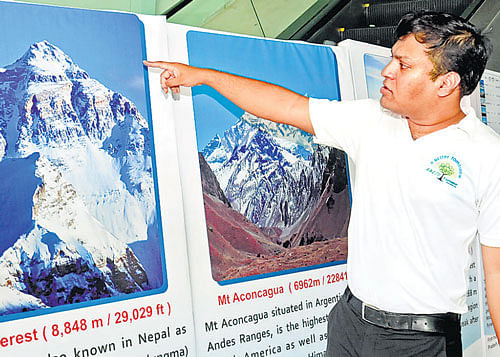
(262, 99)
(491, 265)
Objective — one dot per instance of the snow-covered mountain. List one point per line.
(291, 200)
(84, 223)
(271, 173)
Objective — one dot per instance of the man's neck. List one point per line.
(430, 123)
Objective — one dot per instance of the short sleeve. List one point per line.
(489, 207)
(342, 124)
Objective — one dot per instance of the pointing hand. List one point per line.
(175, 75)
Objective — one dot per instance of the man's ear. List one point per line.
(448, 83)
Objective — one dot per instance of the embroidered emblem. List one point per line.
(447, 169)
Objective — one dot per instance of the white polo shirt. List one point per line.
(417, 204)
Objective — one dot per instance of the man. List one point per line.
(426, 185)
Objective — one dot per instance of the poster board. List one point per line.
(95, 259)
(489, 94)
(268, 300)
(486, 102)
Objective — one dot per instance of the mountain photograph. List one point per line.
(275, 202)
(273, 199)
(79, 220)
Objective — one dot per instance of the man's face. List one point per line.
(408, 89)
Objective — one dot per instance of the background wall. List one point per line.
(307, 20)
(137, 6)
(265, 18)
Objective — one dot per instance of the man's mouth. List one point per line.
(385, 90)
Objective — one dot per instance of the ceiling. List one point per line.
(487, 18)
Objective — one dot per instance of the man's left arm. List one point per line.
(491, 263)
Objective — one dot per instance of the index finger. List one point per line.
(156, 64)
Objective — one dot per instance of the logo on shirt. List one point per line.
(446, 168)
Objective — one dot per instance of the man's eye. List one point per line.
(403, 66)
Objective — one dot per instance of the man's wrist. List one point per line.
(207, 76)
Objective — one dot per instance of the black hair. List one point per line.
(453, 45)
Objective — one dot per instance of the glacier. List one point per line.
(79, 219)
(273, 199)
(271, 173)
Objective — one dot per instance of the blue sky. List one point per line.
(106, 45)
(373, 67)
(304, 68)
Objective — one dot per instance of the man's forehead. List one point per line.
(408, 48)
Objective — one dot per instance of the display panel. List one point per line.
(490, 99)
(272, 306)
(268, 205)
(80, 216)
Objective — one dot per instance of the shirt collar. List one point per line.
(469, 122)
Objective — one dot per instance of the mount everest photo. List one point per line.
(78, 213)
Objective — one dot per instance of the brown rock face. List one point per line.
(210, 183)
(239, 248)
(233, 239)
(297, 257)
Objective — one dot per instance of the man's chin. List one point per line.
(386, 104)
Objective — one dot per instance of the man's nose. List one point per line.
(388, 71)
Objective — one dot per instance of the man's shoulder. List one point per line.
(485, 136)
(366, 110)
(484, 149)
(358, 104)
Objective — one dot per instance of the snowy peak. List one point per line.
(45, 58)
(286, 134)
(44, 51)
(46, 98)
(249, 128)
(260, 147)
(265, 170)
(213, 145)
